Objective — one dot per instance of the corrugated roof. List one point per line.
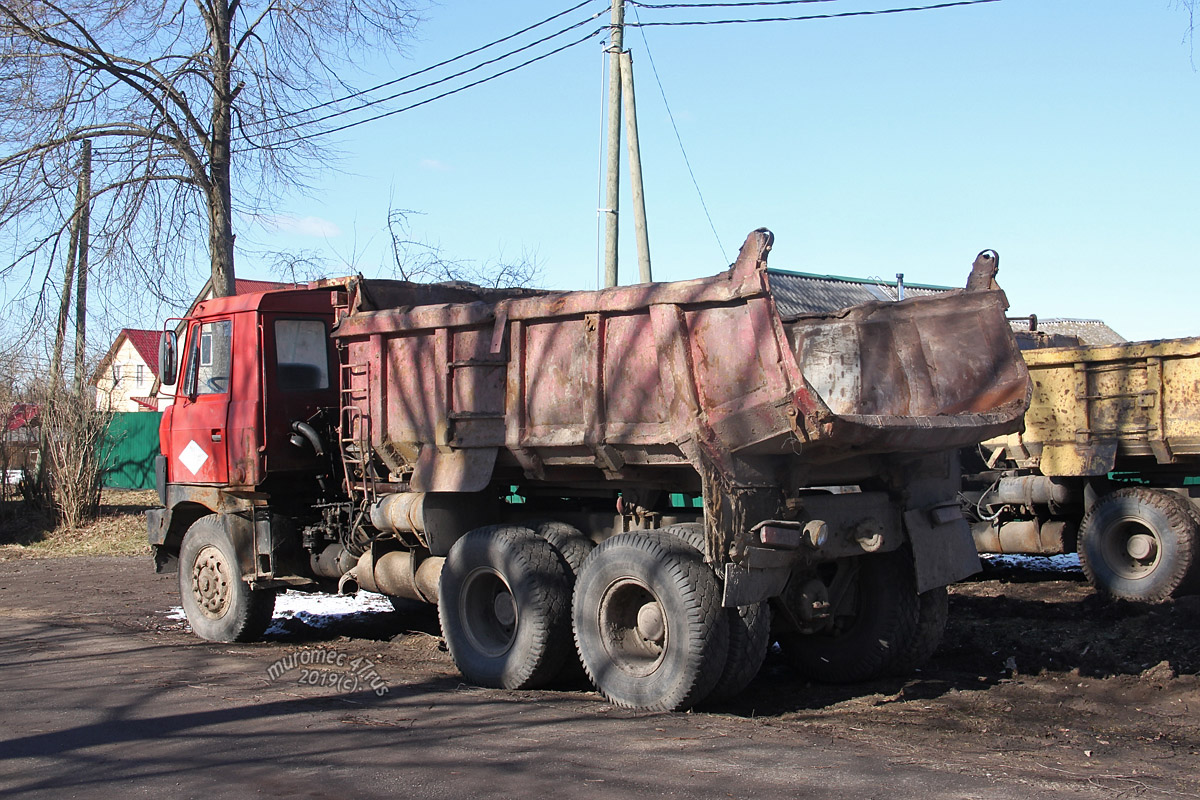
(804, 293)
(1090, 332)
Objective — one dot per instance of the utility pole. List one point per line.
(635, 169)
(76, 252)
(612, 191)
(84, 222)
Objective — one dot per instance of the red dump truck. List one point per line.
(637, 478)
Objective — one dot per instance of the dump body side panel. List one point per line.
(1094, 406)
(615, 385)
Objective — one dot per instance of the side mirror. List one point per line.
(167, 348)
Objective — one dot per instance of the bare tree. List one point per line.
(197, 108)
(1189, 36)
(417, 260)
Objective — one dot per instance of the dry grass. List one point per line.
(119, 531)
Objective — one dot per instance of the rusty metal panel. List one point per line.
(700, 373)
(1093, 405)
(413, 394)
(632, 390)
(920, 374)
(556, 393)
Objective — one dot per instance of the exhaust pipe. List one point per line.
(400, 573)
(348, 583)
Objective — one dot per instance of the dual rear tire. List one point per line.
(646, 621)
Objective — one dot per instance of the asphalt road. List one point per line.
(102, 696)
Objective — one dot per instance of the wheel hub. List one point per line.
(634, 627)
(1141, 546)
(211, 583)
(488, 612)
(1131, 549)
(650, 623)
(505, 609)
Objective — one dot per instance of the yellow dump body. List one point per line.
(1095, 407)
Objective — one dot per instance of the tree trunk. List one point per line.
(220, 195)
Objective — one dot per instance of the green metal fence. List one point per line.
(131, 444)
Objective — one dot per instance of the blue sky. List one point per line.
(1064, 134)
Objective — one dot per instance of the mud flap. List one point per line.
(943, 548)
(745, 586)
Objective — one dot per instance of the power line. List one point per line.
(679, 138)
(425, 70)
(410, 107)
(811, 16)
(724, 5)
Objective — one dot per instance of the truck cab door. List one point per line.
(200, 418)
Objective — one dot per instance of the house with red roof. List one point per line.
(127, 378)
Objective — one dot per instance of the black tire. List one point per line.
(933, 611)
(749, 629)
(649, 625)
(1138, 544)
(574, 548)
(872, 625)
(568, 542)
(220, 606)
(690, 532)
(749, 638)
(504, 606)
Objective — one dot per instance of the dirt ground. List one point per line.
(1040, 689)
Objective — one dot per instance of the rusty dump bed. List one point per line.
(1093, 407)
(617, 385)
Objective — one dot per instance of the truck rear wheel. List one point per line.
(749, 638)
(933, 611)
(220, 606)
(569, 542)
(505, 608)
(648, 621)
(1138, 544)
(749, 629)
(873, 621)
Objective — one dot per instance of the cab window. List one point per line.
(211, 350)
(301, 355)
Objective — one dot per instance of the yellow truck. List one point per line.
(1107, 465)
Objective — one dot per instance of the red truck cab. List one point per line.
(250, 367)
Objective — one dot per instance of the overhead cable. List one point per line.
(678, 138)
(658, 6)
(810, 16)
(422, 87)
(432, 67)
(426, 101)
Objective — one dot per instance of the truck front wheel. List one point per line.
(220, 606)
(1138, 544)
(505, 608)
(648, 621)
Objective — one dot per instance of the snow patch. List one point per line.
(1065, 562)
(314, 609)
